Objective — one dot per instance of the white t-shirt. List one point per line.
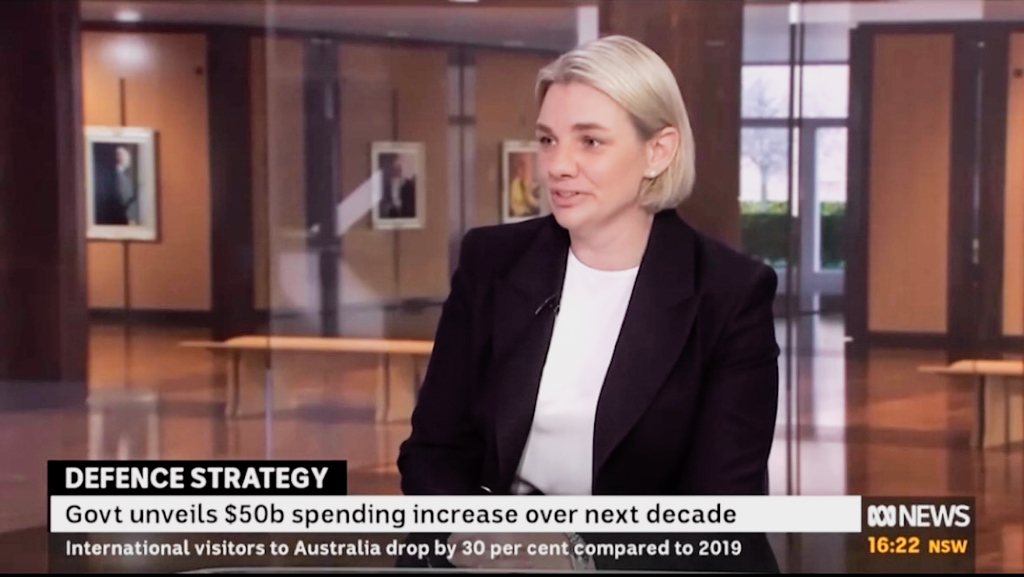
(559, 451)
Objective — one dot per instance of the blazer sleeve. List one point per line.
(443, 454)
(735, 424)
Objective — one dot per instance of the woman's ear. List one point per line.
(661, 149)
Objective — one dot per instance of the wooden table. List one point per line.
(999, 403)
(384, 348)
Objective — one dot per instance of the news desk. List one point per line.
(999, 398)
(258, 347)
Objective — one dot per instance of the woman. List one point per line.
(608, 348)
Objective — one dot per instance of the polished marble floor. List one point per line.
(872, 426)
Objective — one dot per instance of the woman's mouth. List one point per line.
(566, 194)
(565, 198)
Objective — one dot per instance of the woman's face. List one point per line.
(591, 157)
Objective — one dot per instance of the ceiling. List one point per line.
(827, 24)
(547, 27)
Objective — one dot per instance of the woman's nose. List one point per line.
(561, 162)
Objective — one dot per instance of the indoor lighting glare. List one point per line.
(795, 12)
(127, 54)
(128, 16)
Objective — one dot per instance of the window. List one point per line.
(819, 181)
(825, 91)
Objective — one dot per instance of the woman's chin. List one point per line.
(569, 218)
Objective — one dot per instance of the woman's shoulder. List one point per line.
(729, 273)
(494, 248)
(728, 258)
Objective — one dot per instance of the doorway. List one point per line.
(935, 187)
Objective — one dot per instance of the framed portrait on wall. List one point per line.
(398, 174)
(120, 183)
(521, 197)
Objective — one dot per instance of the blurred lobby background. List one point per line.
(871, 151)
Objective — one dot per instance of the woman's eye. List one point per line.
(590, 142)
(544, 140)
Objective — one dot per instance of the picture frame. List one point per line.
(522, 196)
(121, 184)
(398, 174)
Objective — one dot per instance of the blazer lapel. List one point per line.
(655, 329)
(525, 302)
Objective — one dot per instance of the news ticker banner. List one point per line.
(266, 511)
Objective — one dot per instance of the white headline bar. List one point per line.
(478, 514)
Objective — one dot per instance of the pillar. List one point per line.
(702, 42)
(43, 316)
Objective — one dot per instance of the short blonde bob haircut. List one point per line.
(637, 79)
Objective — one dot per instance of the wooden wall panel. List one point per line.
(702, 43)
(422, 82)
(909, 183)
(505, 110)
(366, 116)
(165, 80)
(1013, 255)
(394, 93)
(101, 106)
(286, 273)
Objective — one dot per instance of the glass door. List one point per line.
(817, 174)
(823, 201)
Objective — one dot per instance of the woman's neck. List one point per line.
(619, 245)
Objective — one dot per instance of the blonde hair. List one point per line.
(637, 79)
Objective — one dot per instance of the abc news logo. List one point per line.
(919, 516)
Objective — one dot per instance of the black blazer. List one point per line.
(689, 402)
